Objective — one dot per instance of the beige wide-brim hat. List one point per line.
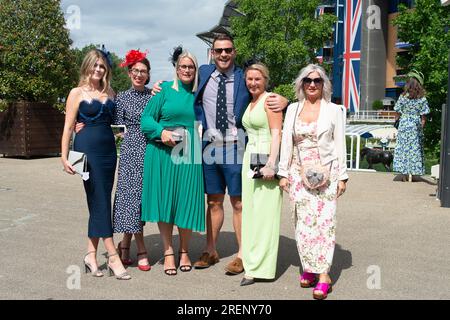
(416, 74)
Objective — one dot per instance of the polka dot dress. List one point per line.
(127, 201)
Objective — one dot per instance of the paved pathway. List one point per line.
(393, 243)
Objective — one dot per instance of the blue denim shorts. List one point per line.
(222, 167)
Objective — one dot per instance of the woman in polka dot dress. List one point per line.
(127, 201)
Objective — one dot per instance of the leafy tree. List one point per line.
(377, 105)
(283, 34)
(36, 63)
(286, 90)
(120, 80)
(425, 27)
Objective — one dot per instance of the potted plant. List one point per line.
(36, 73)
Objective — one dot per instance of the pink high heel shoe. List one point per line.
(321, 290)
(307, 279)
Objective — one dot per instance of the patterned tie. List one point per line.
(221, 110)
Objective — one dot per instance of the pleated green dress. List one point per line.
(261, 201)
(173, 187)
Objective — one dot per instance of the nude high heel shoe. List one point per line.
(123, 276)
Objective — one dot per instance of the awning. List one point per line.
(378, 131)
(229, 10)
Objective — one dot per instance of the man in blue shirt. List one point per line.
(224, 142)
(220, 102)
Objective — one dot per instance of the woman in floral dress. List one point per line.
(412, 107)
(314, 136)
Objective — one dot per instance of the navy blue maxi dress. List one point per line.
(97, 141)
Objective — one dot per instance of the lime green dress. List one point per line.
(261, 201)
(173, 187)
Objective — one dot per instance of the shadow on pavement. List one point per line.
(227, 247)
(342, 260)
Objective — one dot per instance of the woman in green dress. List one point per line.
(261, 197)
(173, 190)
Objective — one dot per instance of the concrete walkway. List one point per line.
(392, 243)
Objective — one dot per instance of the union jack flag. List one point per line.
(352, 54)
(321, 11)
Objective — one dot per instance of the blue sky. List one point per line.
(154, 25)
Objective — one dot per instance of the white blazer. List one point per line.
(330, 136)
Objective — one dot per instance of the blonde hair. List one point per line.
(186, 54)
(327, 87)
(261, 67)
(88, 65)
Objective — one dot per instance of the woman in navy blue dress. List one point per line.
(92, 103)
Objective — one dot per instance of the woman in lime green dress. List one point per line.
(261, 198)
(173, 189)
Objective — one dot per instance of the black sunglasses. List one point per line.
(316, 81)
(219, 50)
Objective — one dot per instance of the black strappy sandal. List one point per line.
(169, 271)
(184, 267)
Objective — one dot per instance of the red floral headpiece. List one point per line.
(132, 57)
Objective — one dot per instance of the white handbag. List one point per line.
(78, 160)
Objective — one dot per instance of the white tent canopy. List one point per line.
(357, 131)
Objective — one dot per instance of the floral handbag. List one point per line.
(314, 175)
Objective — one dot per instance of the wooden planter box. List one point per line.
(30, 129)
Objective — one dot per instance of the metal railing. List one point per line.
(372, 116)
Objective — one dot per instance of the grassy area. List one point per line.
(429, 162)
(430, 159)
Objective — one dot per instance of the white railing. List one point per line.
(372, 116)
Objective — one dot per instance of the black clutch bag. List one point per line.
(178, 134)
(257, 162)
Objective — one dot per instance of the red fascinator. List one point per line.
(132, 57)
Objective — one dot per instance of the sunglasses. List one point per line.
(219, 50)
(316, 81)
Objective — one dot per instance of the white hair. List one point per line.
(327, 87)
